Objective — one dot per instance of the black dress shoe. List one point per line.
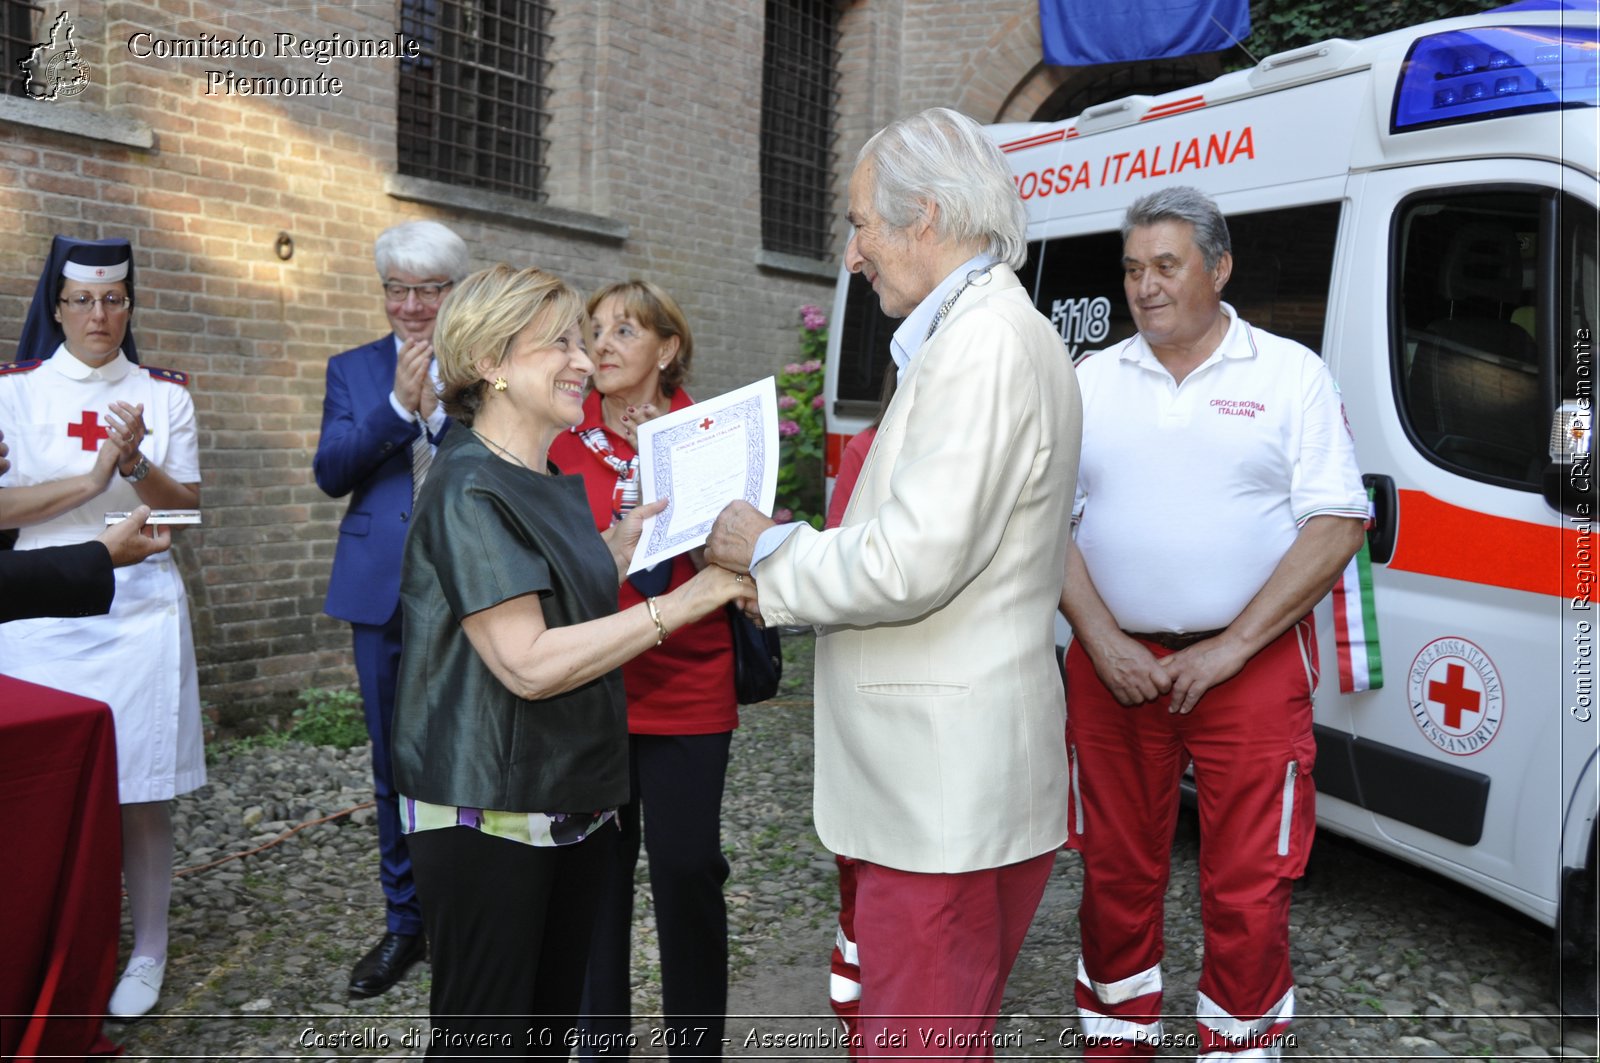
(388, 960)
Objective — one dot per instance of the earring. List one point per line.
(661, 366)
(499, 383)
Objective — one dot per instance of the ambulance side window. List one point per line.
(1579, 293)
(1079, 288)
(863, 350)
(1472, 381)
(1282, 267)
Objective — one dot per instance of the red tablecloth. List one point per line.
(61, 843)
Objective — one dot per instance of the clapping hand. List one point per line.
(126, 431)
(105, 464)
(413, 387)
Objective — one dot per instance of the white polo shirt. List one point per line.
(1190, 494)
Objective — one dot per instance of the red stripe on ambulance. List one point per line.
(1188, 103)
(1439, 539)
(1036, 141)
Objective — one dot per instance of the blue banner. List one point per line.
(1086, 32)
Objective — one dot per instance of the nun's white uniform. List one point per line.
(139, 659)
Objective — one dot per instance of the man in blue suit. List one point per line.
(381, 422)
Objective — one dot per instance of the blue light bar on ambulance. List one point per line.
(1468, 75)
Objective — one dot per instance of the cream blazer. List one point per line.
(940, 724)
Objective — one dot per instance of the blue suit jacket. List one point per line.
(365, 452)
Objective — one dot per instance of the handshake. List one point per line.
(732, 544)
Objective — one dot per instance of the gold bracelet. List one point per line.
(655, 614)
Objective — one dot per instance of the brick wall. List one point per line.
(655, 125)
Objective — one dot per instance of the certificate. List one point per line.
(702, 457)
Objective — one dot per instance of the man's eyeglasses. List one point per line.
(427, 294)
(83, 302)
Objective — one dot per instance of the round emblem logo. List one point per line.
(1455, 696)
(66, 75)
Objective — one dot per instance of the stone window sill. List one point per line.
(798, 265)
(76, 120)
(507, 210)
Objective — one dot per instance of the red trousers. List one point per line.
(1250, 742)
(936, 950)
(844, 966)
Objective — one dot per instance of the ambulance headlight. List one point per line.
(1467, 75)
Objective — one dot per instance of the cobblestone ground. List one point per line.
(1392, 964)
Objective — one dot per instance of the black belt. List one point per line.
(1171, 640)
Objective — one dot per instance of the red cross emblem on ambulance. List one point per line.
(1455, 695)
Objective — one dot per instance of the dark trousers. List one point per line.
(508, 928)
(377, 658)
(677, 794)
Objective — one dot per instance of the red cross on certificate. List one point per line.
(706, 424)
(1454, 695)
(89, 430)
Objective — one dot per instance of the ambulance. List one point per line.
(1420, 208)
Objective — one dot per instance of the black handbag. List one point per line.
(757, 659)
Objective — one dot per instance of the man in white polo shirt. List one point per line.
(1218, 500)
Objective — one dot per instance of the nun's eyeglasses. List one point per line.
(83, 302)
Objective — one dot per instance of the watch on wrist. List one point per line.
(141, 469)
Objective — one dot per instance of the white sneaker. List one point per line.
(139, 988)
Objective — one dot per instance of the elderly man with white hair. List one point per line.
(939, 756)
